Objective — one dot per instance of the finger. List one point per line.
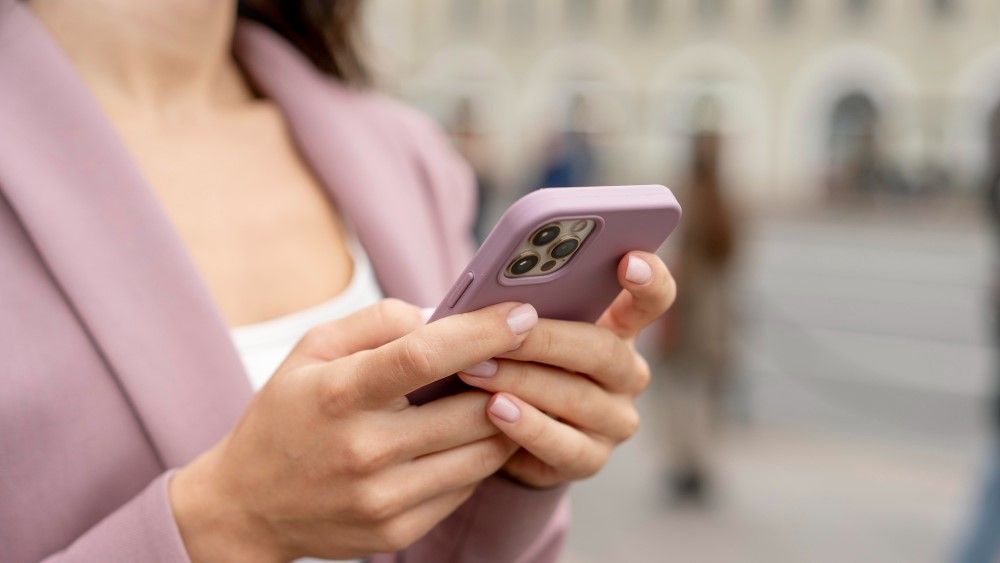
(378, 377)
(401, 531)
(523, 466)
(440, 425)
(370, 327)
(407, 485)
(584, 348)
(648, 291)
(564, 395)
(573, 453)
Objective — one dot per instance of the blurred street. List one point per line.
(859, 422)
(834, 262)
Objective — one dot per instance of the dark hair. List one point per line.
(325, 31)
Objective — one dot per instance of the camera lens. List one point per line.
(545, 235)
(565, 247)
(523, 264)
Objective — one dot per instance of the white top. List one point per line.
(263, 346)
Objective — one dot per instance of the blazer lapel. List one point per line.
(373, 181)
(111, 249)
(118, 260)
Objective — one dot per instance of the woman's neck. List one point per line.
(165, 56)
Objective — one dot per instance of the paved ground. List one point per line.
(865, 365)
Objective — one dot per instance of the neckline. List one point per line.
(267, 331)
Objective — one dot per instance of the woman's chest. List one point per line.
(260, 229)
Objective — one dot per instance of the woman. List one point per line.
(159, 224)
(700, 355)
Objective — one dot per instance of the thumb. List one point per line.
(368, 328)
(648, 290)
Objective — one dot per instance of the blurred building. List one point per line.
(897, 92)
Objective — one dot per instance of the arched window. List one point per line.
(580, 14)
(521, 15)
(712, 10)
(645, 14)
(858, 9)
(782, 11)
(466, 16)
(942, 8)
(857, 163)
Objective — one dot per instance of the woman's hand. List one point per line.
(566, 395)
(330, 460)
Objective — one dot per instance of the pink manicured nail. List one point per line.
(505, 409)
(638, 271)
(522, 318)
(482, 369)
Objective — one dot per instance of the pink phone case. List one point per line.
(626, 218)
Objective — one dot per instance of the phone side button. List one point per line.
(459, 289)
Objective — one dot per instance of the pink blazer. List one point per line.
(115, 365)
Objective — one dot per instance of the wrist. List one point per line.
(213, 525)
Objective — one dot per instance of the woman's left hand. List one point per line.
(566, 395)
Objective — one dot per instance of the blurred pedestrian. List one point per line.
(569, 154)
(699, 350)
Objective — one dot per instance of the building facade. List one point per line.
(798, 87)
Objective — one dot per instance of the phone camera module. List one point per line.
(545, 235)
(565, 247)
(523, 264)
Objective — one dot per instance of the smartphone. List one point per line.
(558, 249)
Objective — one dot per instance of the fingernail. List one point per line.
(522, 318)
(638, 271)
(482, 369)
(504, 409)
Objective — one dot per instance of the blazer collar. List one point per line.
(111, 249)
(118, 260)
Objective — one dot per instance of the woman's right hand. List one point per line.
(331, 461)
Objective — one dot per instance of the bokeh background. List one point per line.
(823, 393)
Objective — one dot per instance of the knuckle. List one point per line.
(643, 373)
(582, 395)
(485, 329)
(542, 342)
(630, 422)
(492, 457)
(374, 503)
(418, 356)
(395, 535)
(609, 351)
(335, 399)
(536, 434)
(669, 292)
(592, 465)
(578, 456)
(363, 457)
(588, 459)
(314, 338)
(513, 375)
